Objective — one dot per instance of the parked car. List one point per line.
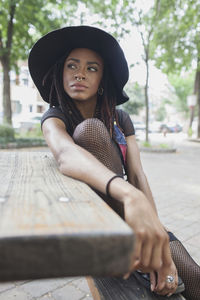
(171, 127)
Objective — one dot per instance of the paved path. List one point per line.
(175, 182)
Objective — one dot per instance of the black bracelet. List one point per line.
(109, 182)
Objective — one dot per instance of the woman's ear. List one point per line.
(100, 91)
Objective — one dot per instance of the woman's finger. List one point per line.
(153, 280)
(156, 258)
(137, 254)
(146, 254)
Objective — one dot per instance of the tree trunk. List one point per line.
(191, 116)
(198, 101)
(197, 92)
(6, 92)
(5, 48)
(147, 100)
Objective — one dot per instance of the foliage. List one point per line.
(115, 12)
(136, 98)
(161, 113)
(177, 40)
(7, 132)
(145, 21)
(182, 88)
(178, 35)
(163, 146)
(31, 19)
(21, 23)
(35, 132)
(155, 146)
(190, 132)
(146, 144)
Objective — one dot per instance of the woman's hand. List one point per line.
(159, 283)
(151, 252)
(152, 242)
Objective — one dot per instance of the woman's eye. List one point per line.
(93, 69)
(71, 66)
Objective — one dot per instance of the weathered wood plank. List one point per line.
(117, 288)
(52, 225)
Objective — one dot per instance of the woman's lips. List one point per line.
(78, 86)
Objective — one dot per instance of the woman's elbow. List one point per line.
(62, 158)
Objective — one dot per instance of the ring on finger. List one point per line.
(169, 279)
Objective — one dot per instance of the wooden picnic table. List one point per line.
(53, 226)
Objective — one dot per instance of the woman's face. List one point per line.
(82, 74)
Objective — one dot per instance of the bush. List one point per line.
(190, 132)
(7, 132)
(34, 132)
(146, 144)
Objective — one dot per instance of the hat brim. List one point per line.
(54, 45)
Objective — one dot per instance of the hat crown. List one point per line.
(55, 44)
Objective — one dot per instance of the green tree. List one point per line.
(177, 40)
(112, 14)
(21, 22)
(133, 13)
(182, 87)
(136, 98)
(161, 113)
(146, 21)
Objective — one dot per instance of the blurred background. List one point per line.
(161, 41)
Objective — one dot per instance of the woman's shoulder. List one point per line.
(122, 114)
(125, 122)
(52, 112)
(56, 112)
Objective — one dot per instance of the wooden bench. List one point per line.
(53, 226)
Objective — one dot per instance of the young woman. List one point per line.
(81, 71)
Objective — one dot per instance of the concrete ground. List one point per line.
(175, 181)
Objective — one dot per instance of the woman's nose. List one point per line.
(80, 73)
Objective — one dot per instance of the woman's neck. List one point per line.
(86, 108)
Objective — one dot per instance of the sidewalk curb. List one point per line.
(158, 150)
(25, 144)
(194, 140)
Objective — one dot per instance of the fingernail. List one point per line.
(169, 295)
(135, 265)
(126, 276)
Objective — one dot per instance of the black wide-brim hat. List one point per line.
(54, 45)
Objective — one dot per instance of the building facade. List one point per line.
(25, 99)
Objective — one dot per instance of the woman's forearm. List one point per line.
(78, 163)
(136, 175)
(140, 182)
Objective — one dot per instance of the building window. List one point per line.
(40, 109)
(25, 81)
(16, 107)
(30, 108)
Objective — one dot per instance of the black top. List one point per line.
(124, 120)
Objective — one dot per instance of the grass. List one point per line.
(157, 146)
(11, 139)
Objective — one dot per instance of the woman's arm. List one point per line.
(152, 249)
(136, 175)
(72, 159)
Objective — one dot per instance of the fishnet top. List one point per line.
(124, 120)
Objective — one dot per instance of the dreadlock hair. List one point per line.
(106, 103)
